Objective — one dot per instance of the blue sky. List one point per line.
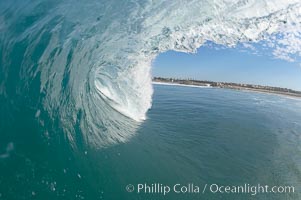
(240, 65)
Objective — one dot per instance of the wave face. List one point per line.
(92, 59)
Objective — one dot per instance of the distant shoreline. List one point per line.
(233, 86)
(178, 84)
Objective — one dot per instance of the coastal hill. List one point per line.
(236, 86)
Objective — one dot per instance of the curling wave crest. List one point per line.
(93, 58)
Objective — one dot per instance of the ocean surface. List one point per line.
(79, 118)
(86, 65)
(191, 136)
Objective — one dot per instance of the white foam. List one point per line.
(96, 69)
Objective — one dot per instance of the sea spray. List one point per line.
(92, 60)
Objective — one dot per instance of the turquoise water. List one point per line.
(191, 135)
(77, 119)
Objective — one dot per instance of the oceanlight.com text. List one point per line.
(191, 188)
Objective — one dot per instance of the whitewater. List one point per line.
(92, 59)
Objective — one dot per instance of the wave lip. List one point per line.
(93, 59)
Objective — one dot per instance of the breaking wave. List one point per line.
(92, 59)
